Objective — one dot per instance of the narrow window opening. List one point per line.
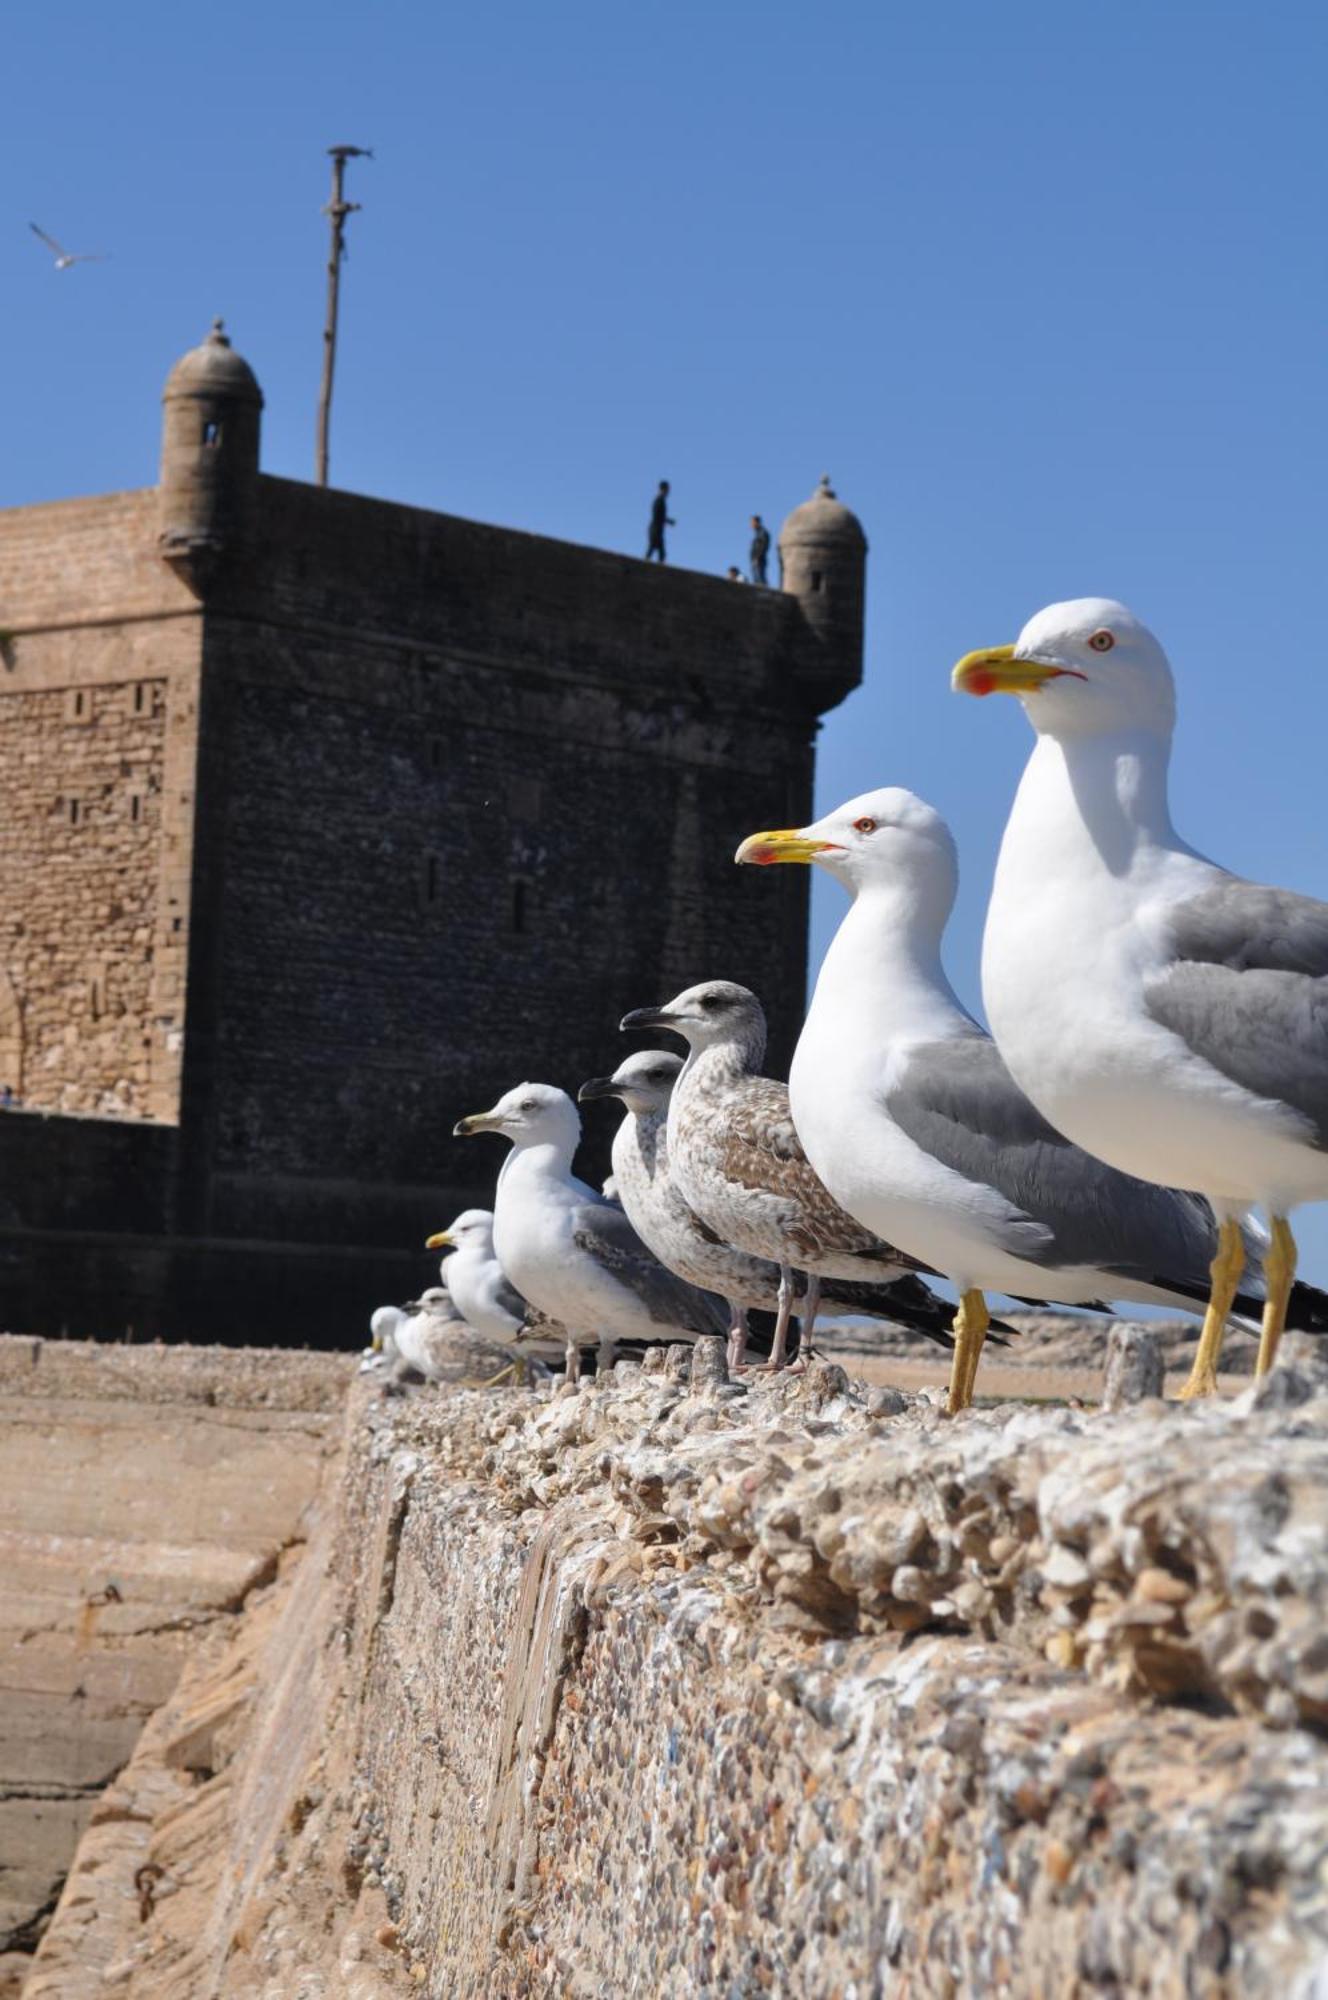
(75, 811)
(431, 880)
(520, 907)
(135, 807)
(211, 431)
(76, 705)
(816, 579)
(140, 697)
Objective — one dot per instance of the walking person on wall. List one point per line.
(660, 519)
(760, 549)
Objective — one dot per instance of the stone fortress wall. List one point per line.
(98, 692)
(331, 819)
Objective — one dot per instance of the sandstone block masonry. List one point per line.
(677, 1686)
(328, 819)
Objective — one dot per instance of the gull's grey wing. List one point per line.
(49, 241)
(958, 1101)
(507, 1298)
(1248, 991)
(605, 1234)
(760, 1148)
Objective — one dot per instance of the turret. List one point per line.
(212, 408)
(823, 562)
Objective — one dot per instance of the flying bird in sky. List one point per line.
(65, 258)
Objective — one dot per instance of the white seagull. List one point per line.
(480, 1287)
(914, 1123)
(1163, 1013)
(382, 1349)
(572, 1254)
(66, 259)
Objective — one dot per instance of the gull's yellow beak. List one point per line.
(442, 1241)
(376, 1342)
(788, 843)
(479, 1121)
(995, 670)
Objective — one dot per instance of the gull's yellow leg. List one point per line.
(1225, 1273)
(515, 1369)
(970, 1330)
(1279, 1271)
(979, 1321)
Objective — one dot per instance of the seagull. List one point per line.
(476, 1281)
(911, 1118)
(1163, 1013)
(382, 1348)
(738, 1162)
(436, 1342)
(644, 1084)
(65, 259)
(572, 1254)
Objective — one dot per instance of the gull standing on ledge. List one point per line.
(644, 1084)
(1163, 1013)
(569, 1252)
(478, 1284)
(382, 1349)
(434, 1340)
(739, 1164)
(914, 1123)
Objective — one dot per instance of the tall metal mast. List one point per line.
(338, 208)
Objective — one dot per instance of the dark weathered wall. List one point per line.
(85, 1207)
(466, 796)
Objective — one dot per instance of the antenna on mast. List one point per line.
(338, 208)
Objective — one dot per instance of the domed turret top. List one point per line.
(214, 369)
(823, 518)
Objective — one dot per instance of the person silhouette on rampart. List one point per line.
(760, 549)
(660, 519)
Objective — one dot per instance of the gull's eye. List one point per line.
(1102, 642)
(864, 825)
(709, 1002)
(529, 1105)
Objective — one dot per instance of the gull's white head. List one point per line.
(382, 1330)
(472, 1230)
(886, 838)
(1087, 667)
(715, 1011)
(644, 1083)
(531, 1114)
(436, 1300)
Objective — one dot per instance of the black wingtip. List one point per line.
(1307, 1309)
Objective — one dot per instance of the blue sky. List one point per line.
(1042, 286)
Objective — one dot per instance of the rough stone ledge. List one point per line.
(679, 1687)
(227, 1378)
(1176, 1550)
